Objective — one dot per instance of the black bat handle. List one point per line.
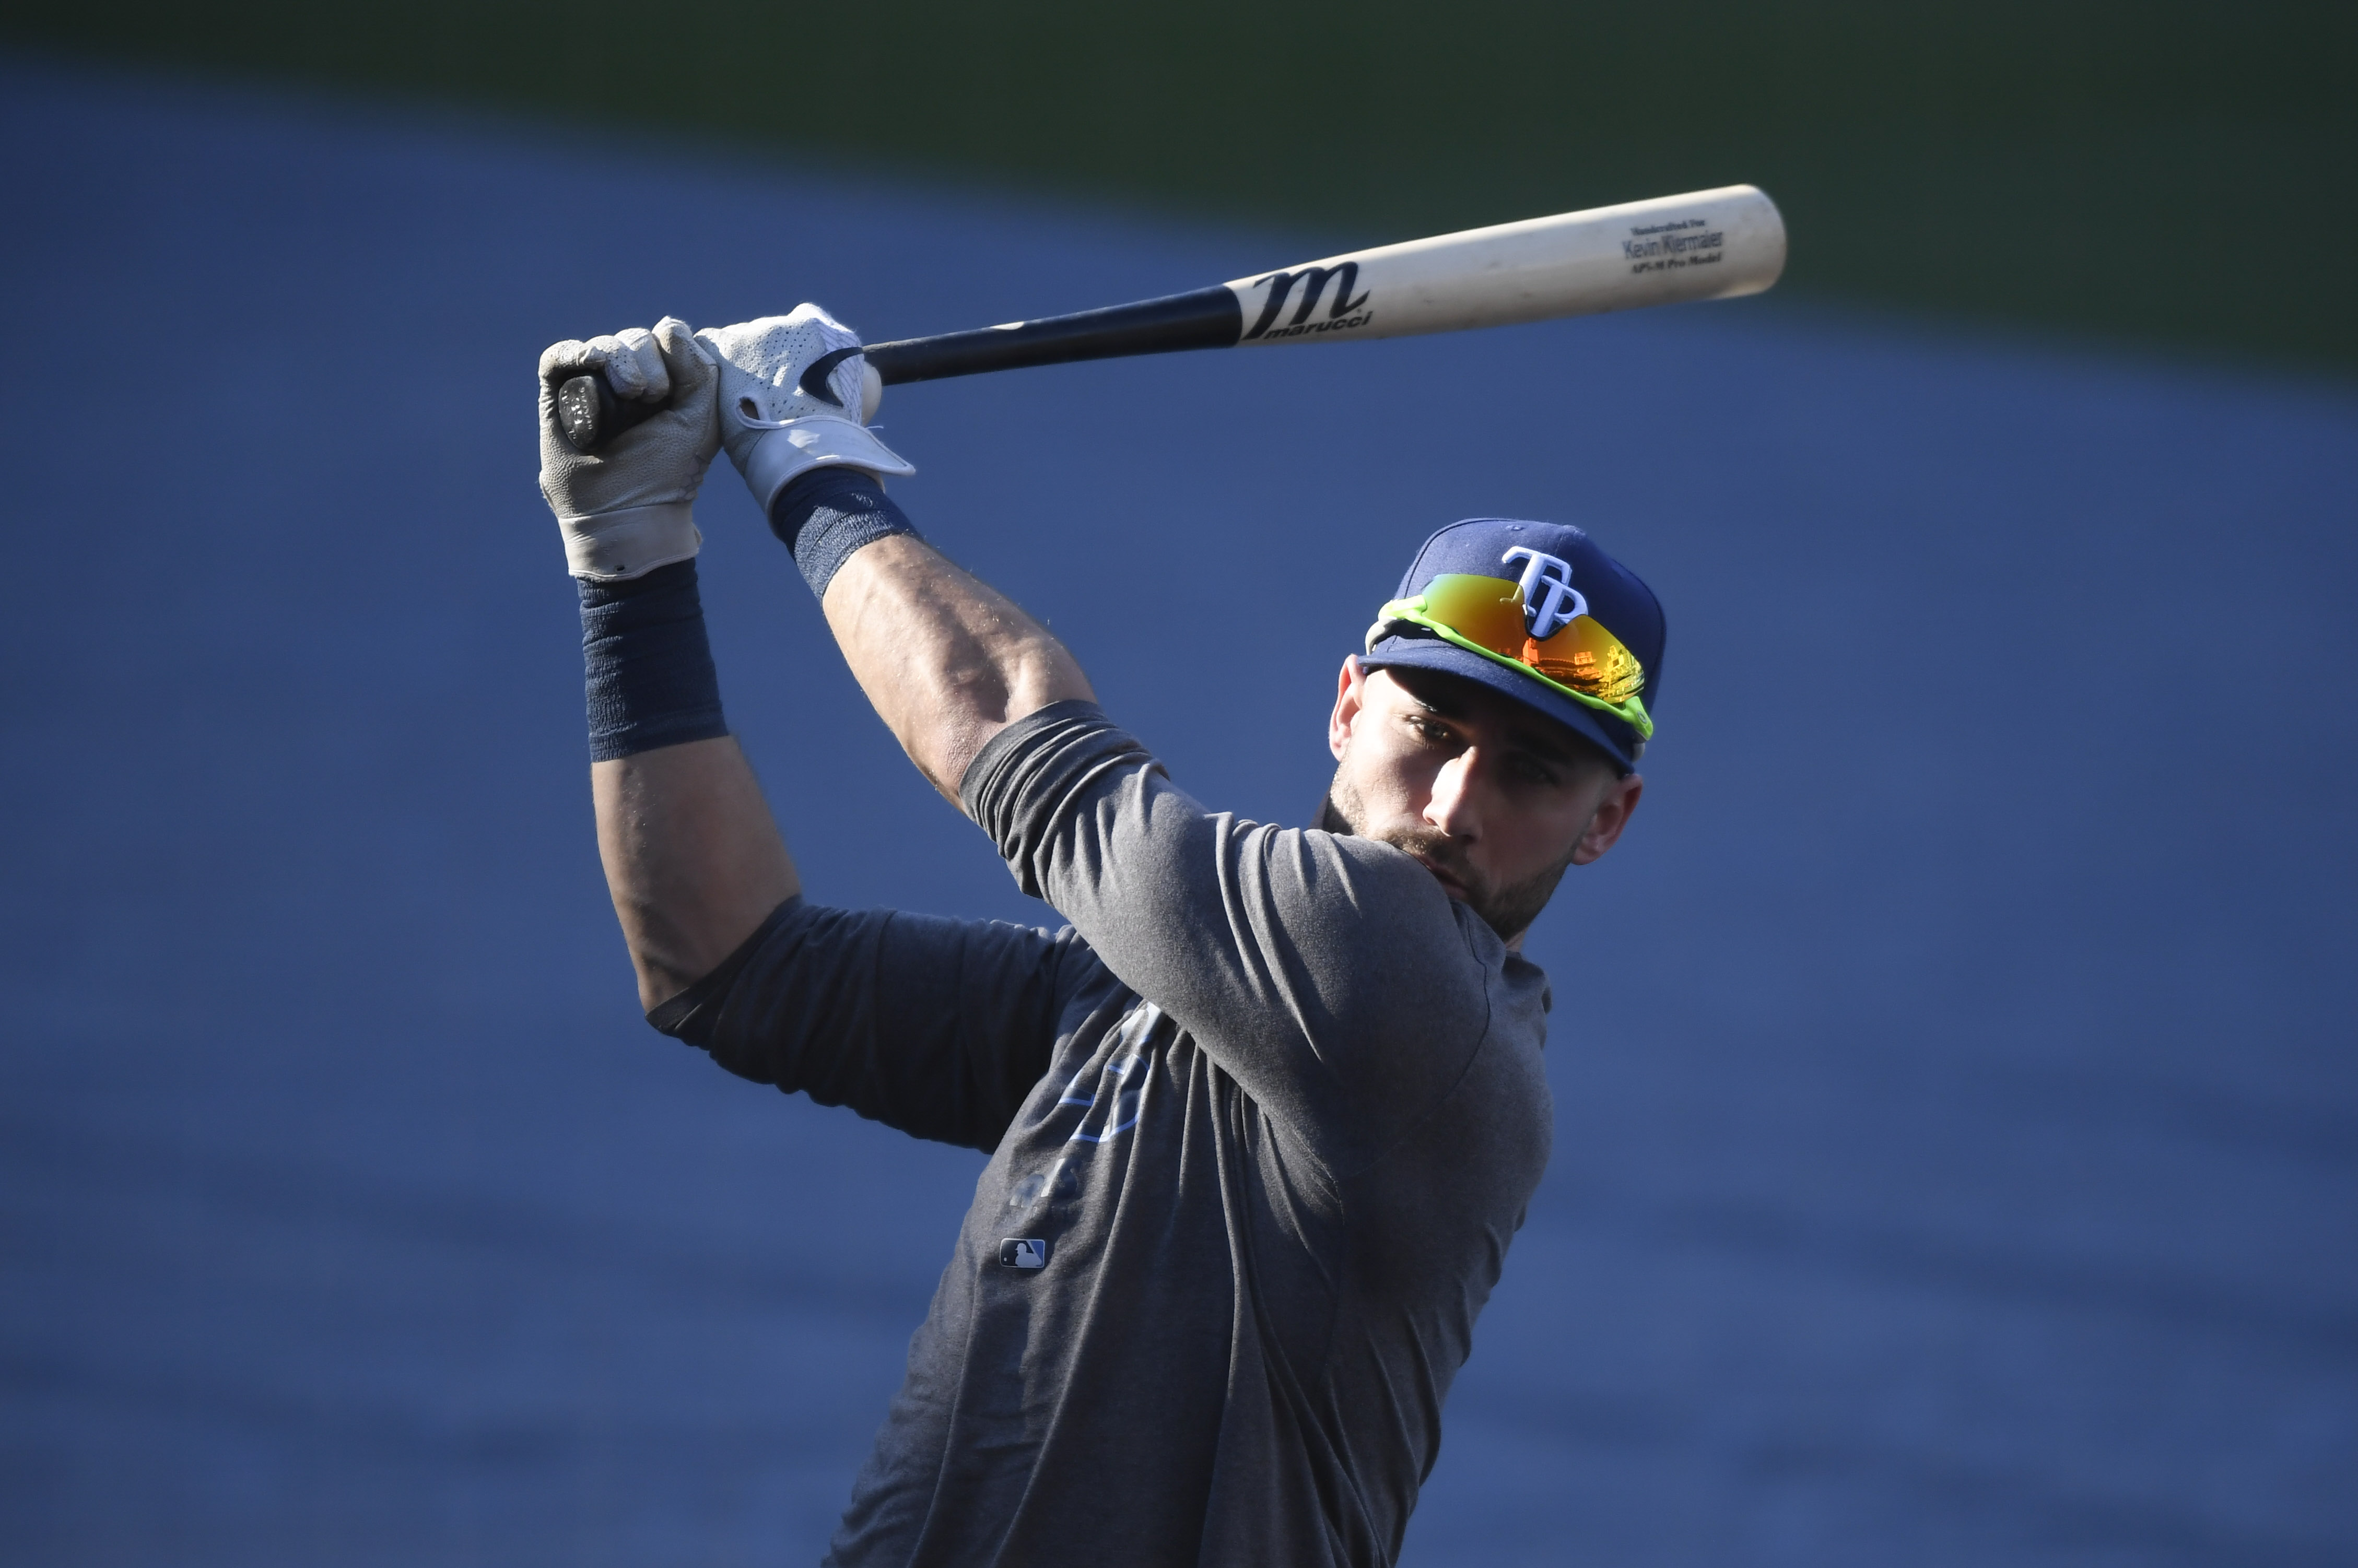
(1203, 319)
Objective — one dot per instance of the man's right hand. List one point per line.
(628, 508)
(775, 431)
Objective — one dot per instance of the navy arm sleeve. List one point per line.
(937, 1027)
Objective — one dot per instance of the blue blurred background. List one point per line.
(1955, 1097)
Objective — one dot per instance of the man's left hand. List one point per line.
(627, 509)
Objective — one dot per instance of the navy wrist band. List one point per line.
(826, 514)
(649, 679)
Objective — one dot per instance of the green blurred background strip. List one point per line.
(2165, 172)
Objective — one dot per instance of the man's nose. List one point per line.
(1451, 807)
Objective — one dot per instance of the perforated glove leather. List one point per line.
(774, 430)
(628, 508)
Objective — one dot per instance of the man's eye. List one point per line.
(1534, 771)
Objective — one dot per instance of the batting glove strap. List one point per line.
(614, 547)
(797, 446)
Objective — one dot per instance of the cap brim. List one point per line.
(1433, 654)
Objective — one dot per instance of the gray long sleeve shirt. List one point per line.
(1261, 1121)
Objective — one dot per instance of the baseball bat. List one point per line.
(1708, 245)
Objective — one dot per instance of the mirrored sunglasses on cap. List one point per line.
(1484, 615)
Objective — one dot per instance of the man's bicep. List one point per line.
(937, 1027)
(1328, 959)
(1320, 970)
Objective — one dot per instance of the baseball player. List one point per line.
(1262, 1119)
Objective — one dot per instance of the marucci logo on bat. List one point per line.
(1342, 315)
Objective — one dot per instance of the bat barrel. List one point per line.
(1707, 245)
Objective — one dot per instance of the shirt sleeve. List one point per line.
(1330, 975)
(937, 1027)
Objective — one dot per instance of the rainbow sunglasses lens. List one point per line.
(1583, 661)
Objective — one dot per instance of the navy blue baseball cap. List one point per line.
(1537, 612)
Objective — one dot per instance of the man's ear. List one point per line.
(1349, 697)
(1612, 815)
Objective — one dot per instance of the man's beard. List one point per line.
(1509, 909)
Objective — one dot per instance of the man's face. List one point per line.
(1494, 798)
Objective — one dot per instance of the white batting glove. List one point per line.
(627, 508)
(774, 429)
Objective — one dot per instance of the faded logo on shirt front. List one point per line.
(1109, 1098)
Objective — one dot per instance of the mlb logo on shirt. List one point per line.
(1023, 1252)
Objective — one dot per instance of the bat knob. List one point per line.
(591, 414)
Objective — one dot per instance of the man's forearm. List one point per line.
(947, 660)
(693, 858)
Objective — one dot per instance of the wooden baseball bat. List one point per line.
(1708, 245)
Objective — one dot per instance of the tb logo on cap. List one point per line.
(1550, 601)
